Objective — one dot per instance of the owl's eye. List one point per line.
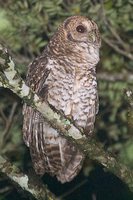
(80, 29)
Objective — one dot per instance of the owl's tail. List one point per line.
(68, 172)
(49, 151)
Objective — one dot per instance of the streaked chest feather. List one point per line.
(73, 93)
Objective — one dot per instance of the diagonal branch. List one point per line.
(5, 134)
(124, 77)
(37, 190)
(10, 78)
(117, 49)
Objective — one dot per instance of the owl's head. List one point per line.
(81, 29)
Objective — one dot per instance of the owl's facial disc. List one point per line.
(81, 29)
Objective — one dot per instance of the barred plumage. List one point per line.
(64, 76)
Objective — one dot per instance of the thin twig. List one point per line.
(116, 35)
(117, 49)
(9, 121)
(72, 190)
(124, 49)
(125, 77)
(4, 118)
(109, 26)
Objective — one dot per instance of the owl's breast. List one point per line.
(72, 94)
(60, 90)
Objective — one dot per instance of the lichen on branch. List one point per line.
(26, 183)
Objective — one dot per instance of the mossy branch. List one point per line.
(26, 183)
(11, 79)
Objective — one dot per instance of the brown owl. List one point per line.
(64, 76)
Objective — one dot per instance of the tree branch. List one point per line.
(36, 189)
(125, 77)
(10, 78)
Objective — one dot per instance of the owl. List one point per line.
(64, 76)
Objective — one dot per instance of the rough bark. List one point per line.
(26, 183)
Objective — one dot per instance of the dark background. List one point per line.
(25, 28)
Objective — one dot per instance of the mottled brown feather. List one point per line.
(64, 76)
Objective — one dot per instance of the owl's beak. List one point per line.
(92, 37)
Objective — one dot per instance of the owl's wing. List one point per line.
(37, 74)
(49, 151)
(36, 77)
(33, 121)
(33, 138)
